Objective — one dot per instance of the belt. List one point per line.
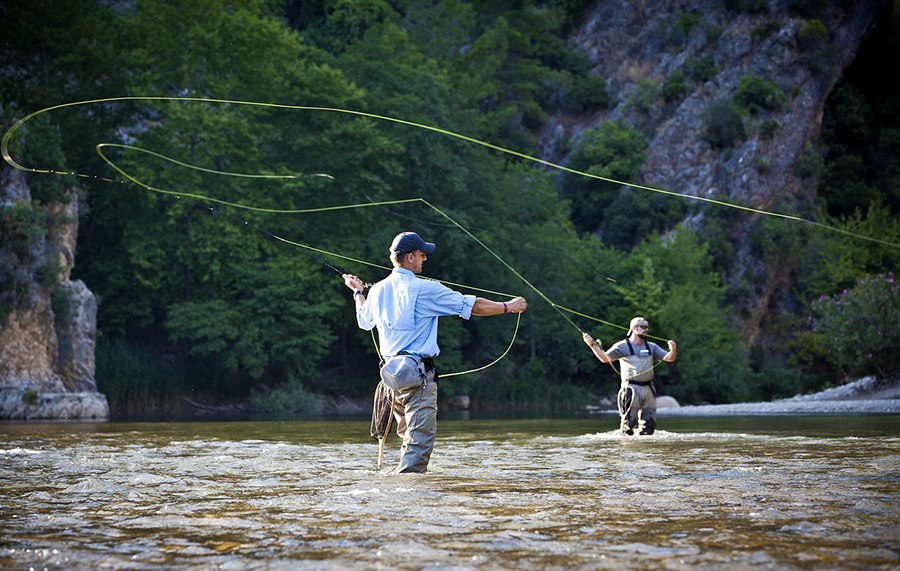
(640, 383)
(427, 361)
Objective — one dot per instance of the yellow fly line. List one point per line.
(563, 311)
(5, 142)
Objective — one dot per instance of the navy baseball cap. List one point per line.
(407, 242)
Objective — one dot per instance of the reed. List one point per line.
(137, 382)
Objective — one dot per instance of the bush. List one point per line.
(22, 227)
(844, 188)
(62, 305)
(813, 35)
(612, 150)
(700, 70)
(857, 328)
(723, 126)
(756, 94)
(588, 94)
(681, 29)
(810, 164)
(30, 397)
(43, 149)
(674, 88)
(767, 128)
(762, 32)
(642, 94)
(22, 230)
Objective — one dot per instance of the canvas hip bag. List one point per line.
(403, 372)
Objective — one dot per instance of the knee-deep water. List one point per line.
(816, 492)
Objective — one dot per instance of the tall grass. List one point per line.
(137, 382)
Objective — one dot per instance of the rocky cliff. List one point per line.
(48, 322)
(640, 46)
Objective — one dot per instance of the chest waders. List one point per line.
(626, 397)
(383, 408)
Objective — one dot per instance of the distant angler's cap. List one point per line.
(407, 242)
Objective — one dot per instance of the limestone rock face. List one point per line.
(46, 356)
(28, 346)
(629, 42)
(75, 339)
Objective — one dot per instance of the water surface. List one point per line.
(737, 493)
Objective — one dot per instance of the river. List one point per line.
(811, 492)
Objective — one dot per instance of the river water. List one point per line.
(816, 492)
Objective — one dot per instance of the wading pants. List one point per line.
(637, 408)
(416, 415)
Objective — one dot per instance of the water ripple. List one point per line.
(498, 495)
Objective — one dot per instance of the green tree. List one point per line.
(174, 270)
(711, 365)
(614, 151)
(501, 78)
(644, 296)
(843, 185)
(271, 318)
(635, 213)
(836, 259)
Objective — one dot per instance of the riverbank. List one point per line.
(865, 396)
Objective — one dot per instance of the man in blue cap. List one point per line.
(405, 310)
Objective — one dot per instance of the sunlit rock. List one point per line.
(48, 331)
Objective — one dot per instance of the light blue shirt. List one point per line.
(405, 309)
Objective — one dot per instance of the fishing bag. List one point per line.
(403, 372)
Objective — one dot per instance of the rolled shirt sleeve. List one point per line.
(437, 300)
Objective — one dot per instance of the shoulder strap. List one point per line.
(647, 343)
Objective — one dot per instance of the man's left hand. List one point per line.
(517, 305)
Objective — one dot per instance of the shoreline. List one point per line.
(786, 407)
(864, 396)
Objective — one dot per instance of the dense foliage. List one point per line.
(196, 301)
(858, 326)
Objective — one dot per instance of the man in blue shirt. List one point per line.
(405, 310)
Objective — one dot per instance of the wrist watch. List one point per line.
(359, 292)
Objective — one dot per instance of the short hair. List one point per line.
(397, 256)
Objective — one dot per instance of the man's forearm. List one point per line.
(483, 307)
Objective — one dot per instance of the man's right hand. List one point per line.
(353, 282)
